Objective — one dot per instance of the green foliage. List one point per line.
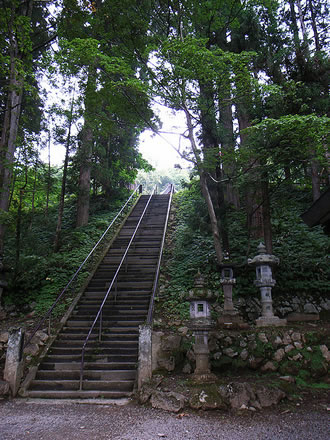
(303, 252)
(161, 178)
(42, 274)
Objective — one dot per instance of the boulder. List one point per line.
(269, 396)
(279, 355)
(244, 396)
(171, 342)
(254, 363)
(269, 366)
(168, 364)
(183, 330)
(168, 401)
(4, 389)
(31, 349)
(244, 354)
(230, 352)
(296, 337)
(238, 395)
(287, 339)
(289, 379)
(325, 352)
(288, 348)
(148, 388)
(310, 308)
(4, 337)
(263, 338)
(278, 341)
(207, 400)
(187, 369)
(145, 394)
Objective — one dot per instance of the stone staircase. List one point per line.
(110, 365)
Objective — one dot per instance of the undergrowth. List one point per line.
(303, 252)
(42, 274)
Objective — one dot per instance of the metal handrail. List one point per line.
(49, 312)
(114, 279)
(152, 299)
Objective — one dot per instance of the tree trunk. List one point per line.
(8, 143)
(205, 190)
(49, 176)
(228, 142)
(298, 50)
(301, 19)
(62, 198)
(314, 26)
(18, 225)
(33, 196)
(266, 214)
(12, 111)
(213, 218)
(315, 174)
(253, 193)
(84, 176)
(64, 178)
(85, 155)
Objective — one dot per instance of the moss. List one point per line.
(318, 365)
(220, 364)
(263, 349)
(239, 364)
(303, 374)
(312, 338)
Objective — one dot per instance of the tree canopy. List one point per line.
(250, 77)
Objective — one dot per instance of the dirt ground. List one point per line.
(22, 419)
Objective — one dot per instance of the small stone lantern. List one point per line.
(200, 322)
(263, 263)
(230, 316)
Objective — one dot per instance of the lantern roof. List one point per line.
(263, 258)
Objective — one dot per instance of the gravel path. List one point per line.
(20, 420)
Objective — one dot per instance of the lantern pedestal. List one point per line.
(202, 371)
(267, 321)
(263, 263)
(200, 322)
(230, 316)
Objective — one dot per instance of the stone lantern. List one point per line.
(200, 322)
(263, 263)
(230, 316)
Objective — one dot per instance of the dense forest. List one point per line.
(250, 78)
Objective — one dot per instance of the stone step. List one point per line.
(65, 385)
(110, 365)
(88, 375)
(125, 349)
(104, 366)
(85, 394)
(109, 313)
(123, 320)
(107, 341)
(118, 329)
(97, 358)
(121, 308)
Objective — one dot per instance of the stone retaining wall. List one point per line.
(293, 352)
(284, 306)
